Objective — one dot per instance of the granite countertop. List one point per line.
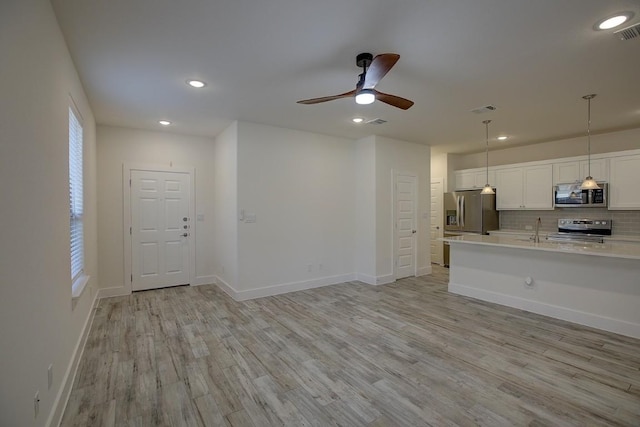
(613, 249)
(543, 234)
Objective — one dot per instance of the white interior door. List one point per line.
(405, 226)
(436, 231)
(160, 229)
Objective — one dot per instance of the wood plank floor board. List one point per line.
(404, 354)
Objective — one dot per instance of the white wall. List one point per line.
(301, 187)
(400, 156)
(365, 221)
(39, 324)
(117, 146)
(225, 205)
(603, 143)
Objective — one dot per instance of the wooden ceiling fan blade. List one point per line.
(393, 100)
(327, 98)
(379, 67)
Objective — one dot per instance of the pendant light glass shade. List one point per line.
(487, 189)
(589, 183)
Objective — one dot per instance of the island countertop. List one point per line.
(607, 249)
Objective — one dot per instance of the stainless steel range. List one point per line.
(581, 230)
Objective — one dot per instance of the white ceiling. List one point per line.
(532, 59)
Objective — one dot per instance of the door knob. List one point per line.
(185, 235)
(413, 231)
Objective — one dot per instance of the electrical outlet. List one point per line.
(50, 377)
(36, 404)
(320, 266)
(309, 267)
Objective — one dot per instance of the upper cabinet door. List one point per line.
(623, 183)
(509, 189)
(599, 169)
(566, 172)
(528, 187)
(538, 187)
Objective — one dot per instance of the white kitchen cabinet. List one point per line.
(623, 182)
(473, 178)
(527, 187)
(577, 170)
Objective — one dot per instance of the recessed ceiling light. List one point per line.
(357, 120)
(613, 21)
(502, 138)
(164, 122)
(196, 83)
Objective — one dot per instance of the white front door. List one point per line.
(436, 221)
(160, 229)
(405, 226)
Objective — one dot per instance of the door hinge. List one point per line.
(130, 231)
(129, 183)
(131, 277)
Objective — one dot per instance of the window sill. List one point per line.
(78, 286)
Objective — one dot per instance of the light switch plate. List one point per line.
(250, 218)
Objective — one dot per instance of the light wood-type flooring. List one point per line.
(404, 354)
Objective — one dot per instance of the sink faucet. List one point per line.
(536, 237)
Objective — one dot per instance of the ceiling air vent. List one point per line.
(376, 122)
(629, 33)
(483, 109)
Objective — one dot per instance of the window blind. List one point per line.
(76, 208)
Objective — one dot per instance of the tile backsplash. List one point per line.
(625, 223)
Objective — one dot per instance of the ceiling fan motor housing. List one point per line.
(364, 60)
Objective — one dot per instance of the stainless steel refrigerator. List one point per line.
(468, 212)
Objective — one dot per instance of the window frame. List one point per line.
(76, 201)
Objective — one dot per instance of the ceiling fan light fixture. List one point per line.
(365, 96)
(164, 122)
(357, 120)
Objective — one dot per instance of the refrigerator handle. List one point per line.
(462, 211)
(457, 211)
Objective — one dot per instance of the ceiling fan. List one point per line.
(373, 70)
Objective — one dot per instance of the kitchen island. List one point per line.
(596, 285)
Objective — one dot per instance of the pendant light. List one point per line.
(487, 188)
(589, 183)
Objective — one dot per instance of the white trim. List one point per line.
(204, 280)
(116, 291)
(62, 398)
(384, 280)
(596, 321)
(284, 287)
(79, 285)
(365, 278)
(424, 271)
(126, 214)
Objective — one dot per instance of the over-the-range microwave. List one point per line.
(572, 196)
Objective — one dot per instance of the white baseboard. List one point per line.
(204, 280)
(283, 288)
(384, 280)
(583, 318)
(62, 398)
(116, 291)
(365, 278)
(424, 271)
(228, 289)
